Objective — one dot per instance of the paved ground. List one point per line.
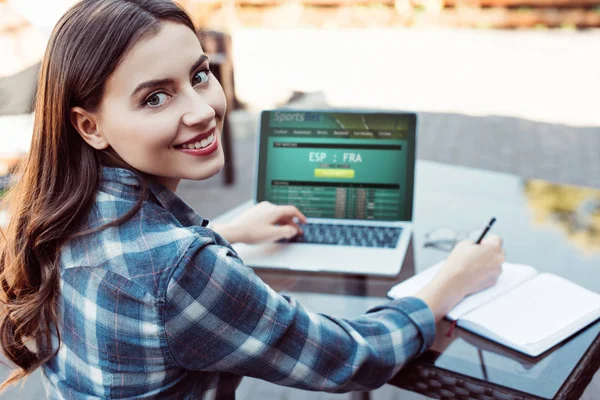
(550, 76)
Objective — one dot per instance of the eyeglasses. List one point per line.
(446, 238)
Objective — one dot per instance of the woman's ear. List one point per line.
(86, 124)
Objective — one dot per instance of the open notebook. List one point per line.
(526, 310)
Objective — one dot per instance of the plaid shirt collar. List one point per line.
(123, 183)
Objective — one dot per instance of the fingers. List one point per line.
(278, 232)
(299, 230)
(288, 212)
(493, 240)
(283, 213)
(496, 242)
(501, 258)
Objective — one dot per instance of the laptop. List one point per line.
(352, 174)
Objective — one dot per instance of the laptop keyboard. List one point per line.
(348, 235)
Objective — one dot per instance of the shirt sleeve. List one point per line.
(219, 316)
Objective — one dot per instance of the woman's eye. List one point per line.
(200, 77)
(156, 99)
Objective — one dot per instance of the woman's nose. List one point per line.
(198, 110)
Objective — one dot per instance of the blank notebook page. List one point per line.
(534, 311)
(512, 275)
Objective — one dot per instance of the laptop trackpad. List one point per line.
(315, 257)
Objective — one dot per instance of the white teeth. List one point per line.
(201, 144)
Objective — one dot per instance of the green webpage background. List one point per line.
(390, 168)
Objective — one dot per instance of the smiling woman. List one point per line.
(90, 125)
(161, 96)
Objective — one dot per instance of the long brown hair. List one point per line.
(58, 181)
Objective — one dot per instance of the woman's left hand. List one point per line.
(265, 222)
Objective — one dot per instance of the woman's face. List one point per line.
(163, 110)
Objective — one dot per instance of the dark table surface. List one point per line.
(554, 228)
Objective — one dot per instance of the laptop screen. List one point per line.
(350, 165)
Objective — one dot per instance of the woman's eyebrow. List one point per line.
(199, 62)
(152, 83)
(163, 82)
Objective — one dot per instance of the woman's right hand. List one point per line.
(469, 268)
(474, 267)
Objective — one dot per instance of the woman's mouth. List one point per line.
(201, 147)
(200, 144)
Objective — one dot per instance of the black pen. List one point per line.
(485, 231)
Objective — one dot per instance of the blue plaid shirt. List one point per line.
(162, 307)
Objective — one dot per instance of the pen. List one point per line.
(485, 231)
